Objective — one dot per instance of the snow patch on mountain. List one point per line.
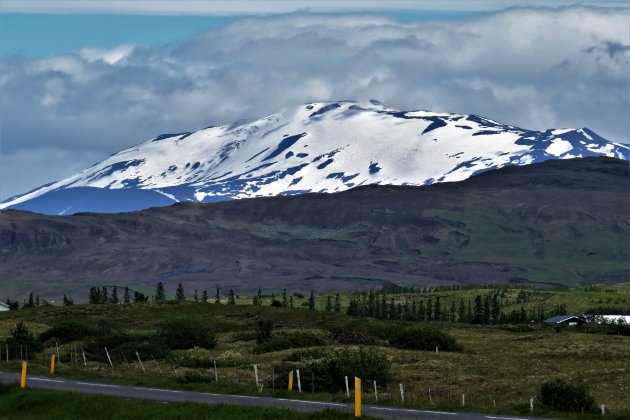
(320, 147)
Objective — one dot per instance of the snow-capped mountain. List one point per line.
(317, 147)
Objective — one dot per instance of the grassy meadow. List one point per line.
(498, 369)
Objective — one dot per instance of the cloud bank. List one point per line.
(534, 68)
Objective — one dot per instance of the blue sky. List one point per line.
(82, 80)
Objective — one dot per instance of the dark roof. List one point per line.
(560, 318)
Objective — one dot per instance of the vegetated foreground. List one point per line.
(497, 367)
(559, 222)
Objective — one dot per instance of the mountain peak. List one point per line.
(315, 147)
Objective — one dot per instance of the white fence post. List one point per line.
(402, 393)
(375, 391)
(463, 400)
(108, 358)
(140, 361)
(256, 373)
(298, 379)
(216, 376)
(347, 389)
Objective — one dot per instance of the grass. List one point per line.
(498, 370)
(38, 404)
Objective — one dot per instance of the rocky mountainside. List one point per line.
(318, 147)
(558, 222)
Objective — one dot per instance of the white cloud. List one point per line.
(535, 68)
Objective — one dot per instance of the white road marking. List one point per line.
(412, 411)
(504, 418)
(92, 384)
(47, 380)
(311, 402)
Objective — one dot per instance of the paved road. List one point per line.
(171, 395)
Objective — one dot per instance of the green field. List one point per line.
(498, 370)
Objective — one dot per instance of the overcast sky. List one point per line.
(82, 80)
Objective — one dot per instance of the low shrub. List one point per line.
(328, 372)
(185, 333)
(424, 339)
(294, 339)
(67, 331)
(345, 335)
(244, 336)
(146, 349)
(564, 396)
(304, 355)
(22, 339)
(263, 331)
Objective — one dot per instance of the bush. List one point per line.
(146, 350)
(326, 372)
(67, 331)
(345, 335)
(290, 340)
(563, 396)
(22, 337)
(423, 339)
(263, 331)
(304, 355)
(369, 364)
(185, 333)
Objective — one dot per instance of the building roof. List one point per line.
(4, 305)
(560, 318)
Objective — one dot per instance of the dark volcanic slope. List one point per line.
(562, 221)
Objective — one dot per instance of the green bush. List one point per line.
(327, 373)
(67, 331)
(349, 335)
(424, 339)
(304, 355)
(263, 331)
(564, 396)
(289, 340)
(146, 349)
(21, 337)
(369, 364)
(185, 333)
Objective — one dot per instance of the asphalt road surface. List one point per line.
(171, 395)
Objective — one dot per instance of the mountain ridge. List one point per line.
(317, 147)
(560, 222)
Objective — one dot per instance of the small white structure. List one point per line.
(613, 319)
(4, 307)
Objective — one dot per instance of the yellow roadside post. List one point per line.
(52, 365)
(357, 397)
(23, 378)
(291, 381)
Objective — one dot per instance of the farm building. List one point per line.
(564, 320)
(3, 307)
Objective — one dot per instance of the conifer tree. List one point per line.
(160, 293)
(291, 302)
(437, 315)
(259, 296)
(231, 300)
(126, 297)
(196, 296)
(37, 300)
(104, 295)
(329, 305)
(31, 301)
(179, 293)
(311, 301)
(337, 303)
(217, 297)
(461, 311)
(114, 295)
(285, 299)
(430, 309)
(422, 315)
(204, 296)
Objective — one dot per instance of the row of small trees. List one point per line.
(486, 309)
